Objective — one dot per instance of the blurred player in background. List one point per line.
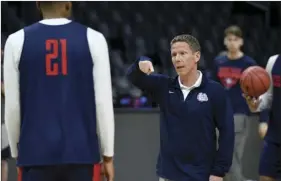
(191, 108)
(59, 98)
(227, 71)
(5, 149)
(270, 161)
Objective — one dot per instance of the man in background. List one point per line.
(228, 69)
(59, 98)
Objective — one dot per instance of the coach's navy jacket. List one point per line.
(187, 127)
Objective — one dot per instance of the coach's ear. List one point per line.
(197, 56)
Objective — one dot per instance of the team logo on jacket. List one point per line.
(202, 97)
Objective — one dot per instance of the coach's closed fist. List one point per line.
(146, 66)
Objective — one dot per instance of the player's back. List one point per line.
(58, 117)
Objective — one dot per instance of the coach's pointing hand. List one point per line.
(146, 67)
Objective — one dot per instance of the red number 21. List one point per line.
(52, 46)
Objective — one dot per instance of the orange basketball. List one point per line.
(254, 81)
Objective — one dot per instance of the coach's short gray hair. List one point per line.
(190, 40)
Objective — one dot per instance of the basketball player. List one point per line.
(58, 98)
(270, 161)
(228, 69)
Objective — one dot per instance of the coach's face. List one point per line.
(184, 59)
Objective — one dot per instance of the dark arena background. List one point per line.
(133, 29)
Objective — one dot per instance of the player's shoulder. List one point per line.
(15, 38)
(20, 33)
(273, 58)
(271, 61)
(95, 35)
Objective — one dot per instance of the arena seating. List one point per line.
(146, 28)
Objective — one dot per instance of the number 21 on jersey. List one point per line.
(56, 50)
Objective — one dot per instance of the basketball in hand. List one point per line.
(254, 81)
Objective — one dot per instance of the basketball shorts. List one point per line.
(60, 173)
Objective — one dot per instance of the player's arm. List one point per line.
(223, 115)
(265, 100)
(103, 92)
(151, 82)
(11, 89)
(264, 116)
(263, 126)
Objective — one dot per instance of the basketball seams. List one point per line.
(245, 83)
(251, 75)
(254, 81)
(261, 80)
